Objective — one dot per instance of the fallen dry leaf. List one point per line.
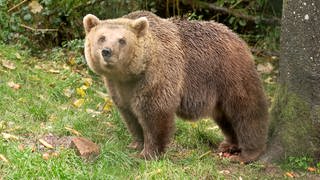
(8, 65)
(21, 147)
(265, 68)
(78, 102)
(45, 143)
(68, 92)
(35, 7)
(84, 87)
(93, 112)
(73, 131)
(102, 94)
(3, 158)
(9, 136)
(38, 67)
(290, 174)
(311, 169)
(18, 56)
(55, 154)
(108, 124)
(54, 71)
(14, 85)
(224, 172)
(45, 156)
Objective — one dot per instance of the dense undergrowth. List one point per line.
(41, 24)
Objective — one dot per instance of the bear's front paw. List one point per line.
(226, 147)
(246, 156)
(136, 145)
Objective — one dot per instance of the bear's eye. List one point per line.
(122, 41)
(102, 39)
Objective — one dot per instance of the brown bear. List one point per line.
(155, 68)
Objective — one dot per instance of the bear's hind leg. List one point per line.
(251, 133)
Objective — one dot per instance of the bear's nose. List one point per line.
(106, 53)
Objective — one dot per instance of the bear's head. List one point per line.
(115, 47)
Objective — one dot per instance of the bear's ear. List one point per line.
(89, 22)
(141, 26)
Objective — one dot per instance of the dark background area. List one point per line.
(45, 24)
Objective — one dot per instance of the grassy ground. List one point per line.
(41, 96)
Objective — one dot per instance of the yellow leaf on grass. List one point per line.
(71, 61)
(8, 65)
(87, 82)
(73, 131)
(78, 102)
(81, 92)
(3, 158)
(45, 143)
(107, 105)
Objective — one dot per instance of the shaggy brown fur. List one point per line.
(162, 67)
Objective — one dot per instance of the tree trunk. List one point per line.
(295, 116)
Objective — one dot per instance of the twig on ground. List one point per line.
(39, 30)
(17, 5)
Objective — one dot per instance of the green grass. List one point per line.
(40, 107)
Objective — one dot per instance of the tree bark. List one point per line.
(295, 116)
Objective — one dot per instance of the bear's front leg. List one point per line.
(155, 106)
(157, 130)
(134, 128)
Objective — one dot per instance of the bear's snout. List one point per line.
(106, 53)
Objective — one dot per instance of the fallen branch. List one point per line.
(16, 6)
(223, 10)
(39, 30)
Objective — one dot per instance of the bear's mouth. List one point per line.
(109, 64)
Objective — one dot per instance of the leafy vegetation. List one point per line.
(46, 23)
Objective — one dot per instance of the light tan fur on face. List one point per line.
(125, 59)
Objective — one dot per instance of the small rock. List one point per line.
(85, 148)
